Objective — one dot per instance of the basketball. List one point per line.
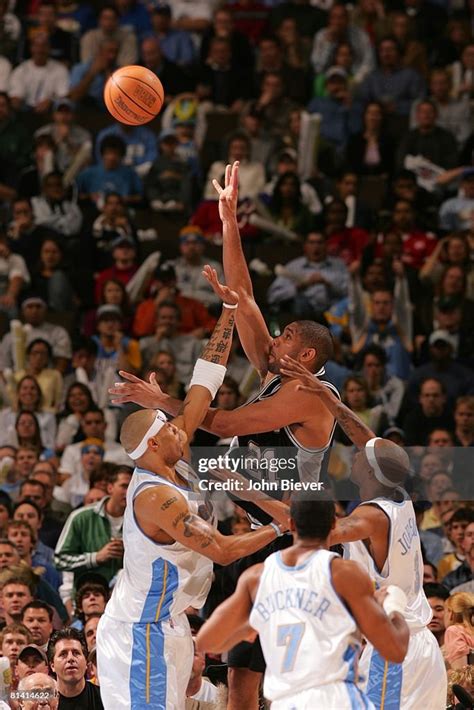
(134, 95)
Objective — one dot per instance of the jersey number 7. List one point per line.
(290, 635)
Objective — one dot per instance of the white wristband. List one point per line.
(396, 600)
(230, 305)
(278, 531)
(209, 375)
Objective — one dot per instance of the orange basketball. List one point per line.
(134, 95)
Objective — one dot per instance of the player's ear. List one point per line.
(307, 356)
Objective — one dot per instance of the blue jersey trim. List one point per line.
(384, 684)
(148, 672)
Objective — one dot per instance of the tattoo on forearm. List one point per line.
(195, 527)
(350, 422)
(219, 342)
(168, 502)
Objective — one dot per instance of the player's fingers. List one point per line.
(305, 388)
(128, 376)
(235, 175)
(217, 187)
(152, 379)
(120, 400)
(228, 170)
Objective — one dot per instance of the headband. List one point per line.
(158, 422)
(372, 459)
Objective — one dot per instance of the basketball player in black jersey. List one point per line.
(280, 414)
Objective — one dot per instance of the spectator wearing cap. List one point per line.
(32, 661)
(311, 283)
(91, 537)
(457, 213)
(140, 145)
(33, 312)
(395, 86)
(52, 208)
(168, 182)
(13, 639)
(176, 79)
(251, 174)
(14, 277)
(338, 30)
(430, 413)
(109, 28)
(88, 79)
(115, 351)
(195, 319)
(73, 490)
(457, 379)
(177, 45)
(124, 257)
(111, 175)
(188, 267)
(429, 140)
(73, 143)
(184, 348)
(339, 116)
(36, 82)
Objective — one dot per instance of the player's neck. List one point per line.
(301, 549)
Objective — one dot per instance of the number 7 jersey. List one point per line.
(307, 634)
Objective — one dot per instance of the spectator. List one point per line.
(90, 630)
(92, 536)
(394, 85)
(251, 173)
(67, 654)
(311, 283)
(6, 507)
(163, 364)
(449, 251)
(73, 143)
(195, 319)
(461, 579)
(456, 214)
(39, 680)
(93, 426)
(192, 17)
(28, 510)
(113, 293)
(356, 396)
(344, 242)
(53, 210)
(13, 277)
(15, 147)
(430, 413)
(429, 140)
(37, 617)
(50, 280)
(223, 27)
(171, 75)
(140, 143)
(459, 636)
(288, 163)
(371, 151)
(110, 176)
(10, 31)
(188, 267)
(29, 398)
(115, 351)
(61, 42)
(184, 348)
(109, 29)
(36, 82)
(24, 236)
(383, 389)
(462, 73)
(272, 105)
(13, 639)
(28, 434)
(177, 45)
(21, 534)
(339, 117)
(88, 79)
(453, 114)
(111, 225)
(15, 594)
(91, 599)
(458, 523)
(219, 81)
(464, 421)
(134, 16)
(33, 311)
(413, 53)
(168, 183)
(437, 596)
(286, 208)
(417, 244)
(29, 183)
(75, 488)
(338, 30)
(272, 58)
(39, 488)
(39, 358)
(78, 400)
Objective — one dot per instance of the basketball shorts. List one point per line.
(336, 696)
(143, 666)
(419, 682)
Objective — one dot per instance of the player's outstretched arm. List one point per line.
(161, 511)
(228, 624)
(365, 523)
(388, 633)
(358, 432)
(253, 332)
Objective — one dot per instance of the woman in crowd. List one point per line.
(78, 400)
(370, 152)
(453, 250)
(356, 396)
(459, 622)
(286, 206)
(39, 356)
(50, 280)
(29, 398)
(28, 432)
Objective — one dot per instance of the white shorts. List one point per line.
(337, 696)
(144, 666)
(418, 683)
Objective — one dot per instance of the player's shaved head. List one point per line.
(393, 460)
(135, 427)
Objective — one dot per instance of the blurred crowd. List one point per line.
(353, 125)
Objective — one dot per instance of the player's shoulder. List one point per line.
(345, 574)
(250, 578)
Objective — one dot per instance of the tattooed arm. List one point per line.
(164, 515)
(358, 432)
(365, 523)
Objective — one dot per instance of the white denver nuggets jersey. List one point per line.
(404, 563)
(306, 632)
(159, 581)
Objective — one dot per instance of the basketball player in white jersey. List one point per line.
(307, 605)
(382, 535)
(144, 644)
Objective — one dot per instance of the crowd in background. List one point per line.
(104, 232)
